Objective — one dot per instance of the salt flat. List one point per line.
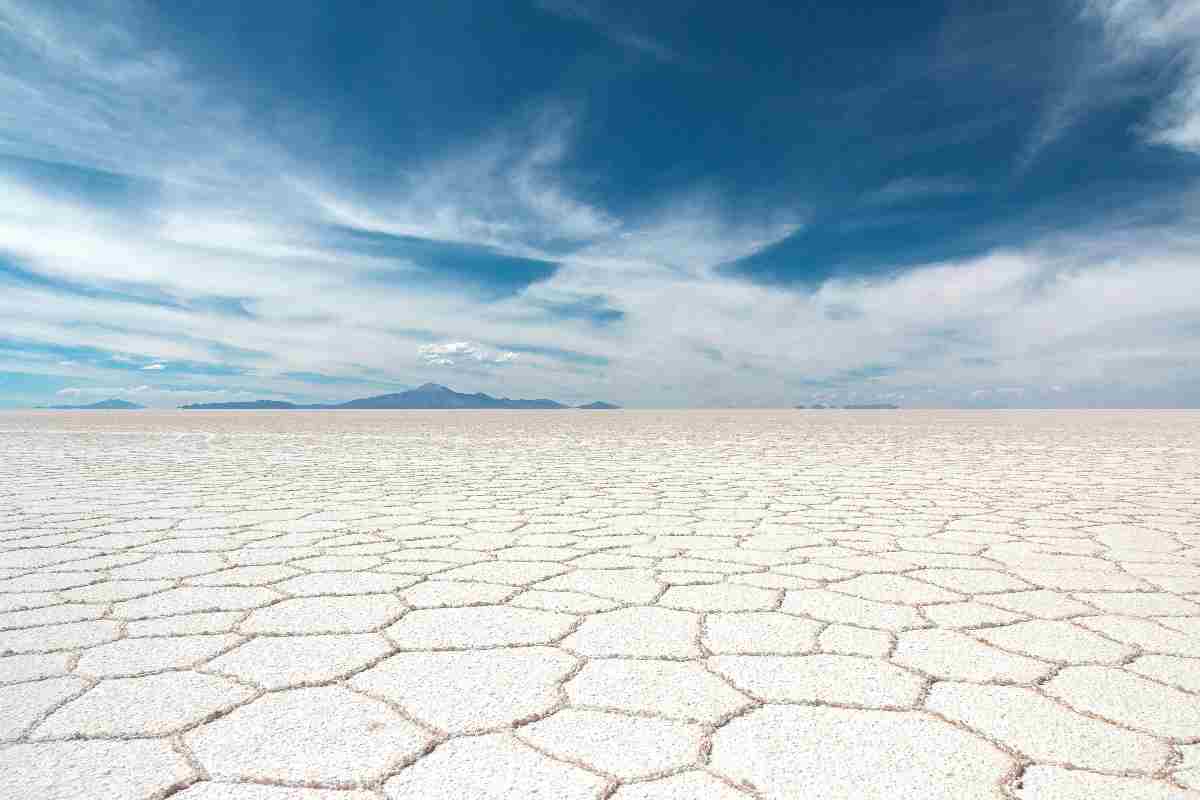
(649, 605)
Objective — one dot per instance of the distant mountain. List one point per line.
(599, 405)
(103, 405)
(247, 405)
(433, 395)
(428, 396)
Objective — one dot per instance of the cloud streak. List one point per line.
(903, 190)
(619, 33)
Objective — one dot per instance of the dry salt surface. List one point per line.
(628, 605)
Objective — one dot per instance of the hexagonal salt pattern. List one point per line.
(321, 735)
(799, 751)
(639, 606)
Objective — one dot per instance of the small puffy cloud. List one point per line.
(154, 366)
(449, 354)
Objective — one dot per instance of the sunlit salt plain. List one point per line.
(650, 605)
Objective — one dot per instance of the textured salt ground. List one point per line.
(626, 605)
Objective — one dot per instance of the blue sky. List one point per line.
(658, 204)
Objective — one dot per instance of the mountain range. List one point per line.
(427, 396)
(103, 405)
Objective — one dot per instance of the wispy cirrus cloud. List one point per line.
(1147, 50)
(602, 20)
(504, 190)
(915, 188)
(1166, 32)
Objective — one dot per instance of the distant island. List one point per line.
(103, 405)
(250, 405)
(860, 407)
(599, 405)
(428, 396)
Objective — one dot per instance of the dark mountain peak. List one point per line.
(599, 405)
(426, 388)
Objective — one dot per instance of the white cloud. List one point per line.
(503, 191)
(1168, 30)
(76, 391)
(1137, 46)
(449, 354)
(154, 367)
(91, 93)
